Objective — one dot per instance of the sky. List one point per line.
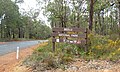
(28, 4)
(32, 4)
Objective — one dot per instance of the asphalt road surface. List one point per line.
(12, 46)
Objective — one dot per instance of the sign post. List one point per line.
(53, 43)
(77, 36)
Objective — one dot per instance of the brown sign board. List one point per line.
(69, 35)
(63, 34)
(69, 29)
(70, 41)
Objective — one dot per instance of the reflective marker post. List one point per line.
(17, 53)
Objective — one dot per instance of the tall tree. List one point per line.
(119, 16)
(91, 15)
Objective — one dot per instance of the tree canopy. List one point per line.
(16, 25)
(97, 15)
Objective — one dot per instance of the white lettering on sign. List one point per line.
(71, 41)
(67, 41)
(67, 29)
(64, 35)
(74, 35)
(78, 42)
(57, 40)
(63, 40)
(75, 41)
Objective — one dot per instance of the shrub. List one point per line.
(44, 56)
(103, 48)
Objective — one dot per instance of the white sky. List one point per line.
(28, 4)
(32, 4)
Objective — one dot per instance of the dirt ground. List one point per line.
(2, 42)
(8, 62)
(81, 66)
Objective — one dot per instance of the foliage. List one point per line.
(44, 55)
(63, 13)
(103, 48)
(100, 47)
(15, 25)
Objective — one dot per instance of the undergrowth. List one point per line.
(45, 57)
(100, 47)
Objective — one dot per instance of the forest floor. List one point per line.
(9, 61)
(79, 65)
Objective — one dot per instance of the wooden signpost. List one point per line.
(70, 35)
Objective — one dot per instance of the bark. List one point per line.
(103, 23)
(19, 33)
(99, 20)
(9, 34)
(62, 17)
(78, 20)
(1, 31)
(119, 13)
(65, 17)
(96, 24)
(91, 15)
(119, 18)
(13, 34)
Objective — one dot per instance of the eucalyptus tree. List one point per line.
(99, 15)
(57, 12)
(11, 12)
(78, 11)
(91, 15)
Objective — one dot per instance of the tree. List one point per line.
(119, 15)
(17, 25)
(11, 12)
(91, 15)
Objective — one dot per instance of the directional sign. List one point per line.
(69, 35)
(69, 41)
(69, 29)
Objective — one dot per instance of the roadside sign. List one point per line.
(70, 35)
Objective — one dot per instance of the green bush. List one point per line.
(103, 48)
(44, 55)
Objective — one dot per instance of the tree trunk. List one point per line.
(78, 25)
(13, 34)
(9, 34)
(1, 31)
(62, 17)
(91, 15)
(119, 18)
(65, 17)
(100, 25)
(96, 25)
(103, 25)
(19, 30)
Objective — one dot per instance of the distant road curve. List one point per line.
(12, 46)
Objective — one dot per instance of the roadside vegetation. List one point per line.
(101, 48)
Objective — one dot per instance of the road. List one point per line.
(12, 46)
